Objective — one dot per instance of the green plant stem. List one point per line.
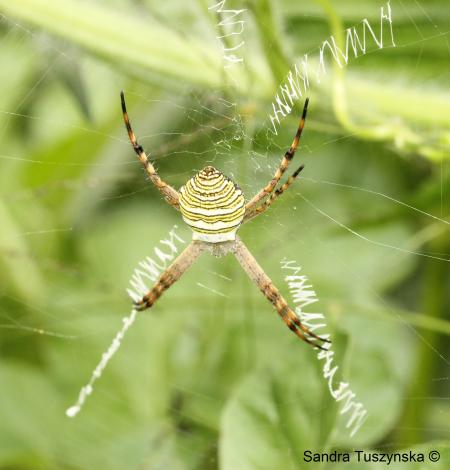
(413, 425)
(270, 34)
(338, 85)
(378, 95)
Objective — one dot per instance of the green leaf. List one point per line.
(122, 38)
(24, 416)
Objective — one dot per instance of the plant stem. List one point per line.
(414, 422)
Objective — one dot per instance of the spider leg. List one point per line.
(171, 275)
(288, 156)
(278, 192)
(170, 194)
(260, 278)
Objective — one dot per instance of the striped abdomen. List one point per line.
(212, 205)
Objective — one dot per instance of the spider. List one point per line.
(214, 208)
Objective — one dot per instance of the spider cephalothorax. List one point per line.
(214, 207)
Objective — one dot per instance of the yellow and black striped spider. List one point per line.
(214, 207)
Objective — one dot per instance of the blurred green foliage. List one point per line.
(211, 378)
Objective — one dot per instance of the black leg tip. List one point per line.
(298, 170)
(305, 108)
(122, 101)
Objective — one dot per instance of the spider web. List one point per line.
(81, 267)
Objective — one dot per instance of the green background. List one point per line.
(211, 378)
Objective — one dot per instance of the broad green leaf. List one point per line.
(285, 408)
(130, 41)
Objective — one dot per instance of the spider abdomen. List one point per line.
(212, 205)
